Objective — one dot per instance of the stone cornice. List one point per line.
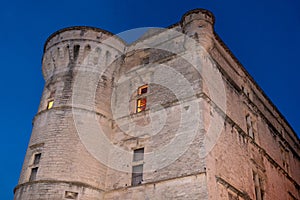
(218, 41)
(75, 183)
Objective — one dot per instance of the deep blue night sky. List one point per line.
(263, 35)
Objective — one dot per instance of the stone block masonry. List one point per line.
(173, 115)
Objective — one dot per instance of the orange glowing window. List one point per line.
(50, 104)
(142, 102)
(143, 89)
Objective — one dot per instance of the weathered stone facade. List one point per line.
(204, 127)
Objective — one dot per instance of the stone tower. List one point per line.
(56, 162)
(173, 115)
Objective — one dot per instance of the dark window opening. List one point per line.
(87, 50)
(137, 175)
(143, 90)
(33, 174)
(76, 51)
(138, 154)
(37, 158)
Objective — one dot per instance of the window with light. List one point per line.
(141, 103)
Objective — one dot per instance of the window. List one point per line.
(258, 184)
(34, 168)
(50, 104)
(137, 168)
(138, 154)
(284, 152)
(71, 195)
(37, 158)
(76, 51)
(143, 89)
(141, 102)
(137, 175)
(250, 129)
(33, 174)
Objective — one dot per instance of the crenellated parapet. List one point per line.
(199, 25)
(173, 115)
(79, 45)
(70, 51)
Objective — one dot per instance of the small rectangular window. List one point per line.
(76, 51)
(33, 174)
(37, 158)
(141, 104)
(137, 175)
(50, 104)
(143, 90)
(71, 195)
(258, 184)
(250, 126)
(138, 154)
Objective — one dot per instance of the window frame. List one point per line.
(250, 127)
(50, 104)
(138, 154)
(33, 174)
(137, 166)
(258, 186)
(141, 102)
(141, 89)
(137, 176)
(37, 158)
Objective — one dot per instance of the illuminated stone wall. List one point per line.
(208, 130)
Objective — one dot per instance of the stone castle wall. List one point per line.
(87, 139)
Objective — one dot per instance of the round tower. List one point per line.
(199, 25)
(57, 165)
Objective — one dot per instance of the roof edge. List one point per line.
(222, 43)
(82, 28)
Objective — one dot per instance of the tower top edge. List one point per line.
(200, 12)
(71, 28)
(205, 14)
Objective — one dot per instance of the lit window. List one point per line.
(143, 89)
(50, 104)
(33, 174)
(142, 102)
(71, 195)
